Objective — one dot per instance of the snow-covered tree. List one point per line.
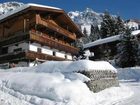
(85, 39)
(108, 25)
(95, 33)
(127, 50)
(119, 26)
(111, 25)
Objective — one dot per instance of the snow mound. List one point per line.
(52, 86)
(30, 88)
(74, 66)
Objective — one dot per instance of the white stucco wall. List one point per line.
(34, 46)
(69, 57)
(24, 46)
(46, 50)
(60, 54)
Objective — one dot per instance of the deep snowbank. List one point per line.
(55, 89)
(129, 74)
(55, 83)
(68, 66)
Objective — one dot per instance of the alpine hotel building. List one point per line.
(37, 32)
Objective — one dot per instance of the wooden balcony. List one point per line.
(15, 56)
(29, 55)
(44, 39)
(33, 55)
(55, 27)
(14, 39)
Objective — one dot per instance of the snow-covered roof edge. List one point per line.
(25, 7)
(108, 39)
(43, 6)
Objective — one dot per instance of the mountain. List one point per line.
(9, 6)
(86, 18)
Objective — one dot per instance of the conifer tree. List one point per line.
(85, 39)
(95, 33)
(119, 26)
(108, 25)
(127, 50)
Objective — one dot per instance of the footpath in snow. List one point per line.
(41, 86)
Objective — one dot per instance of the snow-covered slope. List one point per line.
(86, 17)
(9, 6)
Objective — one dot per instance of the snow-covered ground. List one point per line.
(134, 99)
(36, 86)
(129, 74)
(28, 88)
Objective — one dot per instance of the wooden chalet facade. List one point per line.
(36, 31)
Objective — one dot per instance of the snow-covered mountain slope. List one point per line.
(86, 18)
(9, 6)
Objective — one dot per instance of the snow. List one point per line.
(53, 89)
(108, 39)
(87, 27)
(13, 12)
(129, 74)
(43, 6)
(23, 7)
(9, 6)
(136, 32)
(50, 84)
(102, 41)
(73, 66)
(68, 66)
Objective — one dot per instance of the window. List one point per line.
(39, 50)
(54, 53)
(18, 49)
(66, 57)
(4, 50)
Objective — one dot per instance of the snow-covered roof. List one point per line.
(102, 41)
(73, 66)
(107, 40)
(25, 7)
(43, 6)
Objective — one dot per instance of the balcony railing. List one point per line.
(56, 28)
(33, 55)
(46, 40)
(27, 55)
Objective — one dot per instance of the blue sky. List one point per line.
(125, 8)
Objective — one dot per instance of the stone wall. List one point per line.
(101, 80)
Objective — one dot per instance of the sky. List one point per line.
(127, 9)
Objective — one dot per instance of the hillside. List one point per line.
(9, 6)
(86, 18)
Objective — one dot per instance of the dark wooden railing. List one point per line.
(33, 55)
(55, 27)
(27, 55)
(14, 39)
(46, 40)
(12, 56)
